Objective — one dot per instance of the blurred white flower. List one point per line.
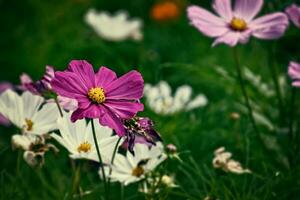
(34, 147)
(158, 182)
(161, 101)
(223, 161)
(77, 138)
(114, 27)
(128, 169)
(28, 112)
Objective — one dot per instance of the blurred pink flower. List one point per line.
(293, 12)
(4, 86)
(44, 86)
(101, 95)
(234, 26)
(294, 73)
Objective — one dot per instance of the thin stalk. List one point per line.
(122, 191)
(19, 162)
(243, 89)
(292, 133)
(292, 105)
(112, 162)
(100, 158)
(59, 108)
(274, 73)
(76, 180)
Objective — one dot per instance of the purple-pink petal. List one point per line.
(84, 72)
(104, 77)
(270, 26)
(130, 86)
(247, 9)
(111, 120)
(92, 112)
(207, 23)
(224, 9)
(294, 73)
(124, 109)
(232, 38)
(68, 84)
(293, 12)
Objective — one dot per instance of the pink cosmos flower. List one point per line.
(4, 86)
(294, 73)
(234, 26)
(101, 95)
(293, 12)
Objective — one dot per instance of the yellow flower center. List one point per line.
(29, 124)
(84, 147)
(238, 24)
(96, 95)
(138, 171)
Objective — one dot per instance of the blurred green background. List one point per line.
(39, 33)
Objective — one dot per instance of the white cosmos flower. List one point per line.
(128, 169)
(27, 112)
(160, 99)
(114, 27)
(77, 138)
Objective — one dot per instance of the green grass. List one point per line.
(37, 33)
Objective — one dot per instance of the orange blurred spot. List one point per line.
(165, 11)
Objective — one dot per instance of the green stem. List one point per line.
(122, 191)
(274, 74)
(59, 108)
(292, 133)
(76, 180)
(112, 162)
(19, 162)
(292, 104)
(100, 159)
(244, 92)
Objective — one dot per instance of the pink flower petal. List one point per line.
(124, 109)
(93, 111)
(247, 9)
(68, 84)
(84, 71)
(223, 8)
(232, 38)
(207, 23)
(104, 77)
(111, 120)
(294, 70)
(130, 86)
(294, 13)
(270, 26)
(4, 121)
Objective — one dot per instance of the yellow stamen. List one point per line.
(238, 24)
(96, 95)
(84, 147)
(138, 171)
(29, 124)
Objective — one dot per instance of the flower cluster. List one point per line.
(161, 101)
